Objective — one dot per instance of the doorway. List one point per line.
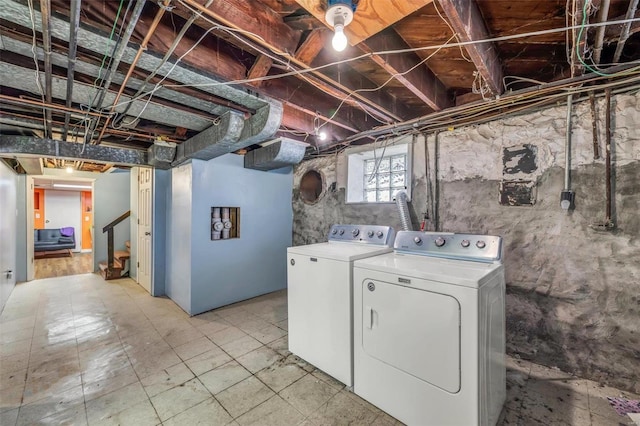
(62, 227)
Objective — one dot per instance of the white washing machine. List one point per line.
(429, 329)
(320, 295)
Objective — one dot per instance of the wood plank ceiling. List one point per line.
(404, 61)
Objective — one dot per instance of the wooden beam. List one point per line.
(313, 45)
(274, 44)
(420, 80)
(260, 68)
(371, 17)
(263, 24)
(467, 21)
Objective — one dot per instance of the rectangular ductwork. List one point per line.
(281, 153)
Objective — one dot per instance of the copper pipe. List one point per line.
(21, 101)
(143, 47)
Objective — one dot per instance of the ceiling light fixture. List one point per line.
(69, 169)
(322, 135)
(65, 185)
(339, 15)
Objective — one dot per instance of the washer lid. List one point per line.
(456, 272)
(342, 251)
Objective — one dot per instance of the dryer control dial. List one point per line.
(342, 232)
(355, 232)
(465, 243)
(334, 231)
(417, 240)
(370, 234)
(440, 241)
(380, 234)
(481, 244)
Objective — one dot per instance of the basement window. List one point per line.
(376, 175)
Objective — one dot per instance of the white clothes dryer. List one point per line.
(429, 329)
(320, 300)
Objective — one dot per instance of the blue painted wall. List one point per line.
(111, 199)
(228, 271)
(161, 191)
(178, 237)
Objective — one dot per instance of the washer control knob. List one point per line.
(334, 231)
(370, 234)
(465, 243)
(417, 240)
(481, 244)
(380, 234)
(341, 232)
(440, 241)
(355, 232)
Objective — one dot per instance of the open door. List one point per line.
(145, 183)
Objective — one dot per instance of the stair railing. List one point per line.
(109, 230)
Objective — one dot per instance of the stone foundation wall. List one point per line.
(573, 289)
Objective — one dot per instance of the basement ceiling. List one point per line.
(149, 71)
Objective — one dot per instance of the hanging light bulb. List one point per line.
(339, 14)
(69, 169)
(339, 41)
(322, 135)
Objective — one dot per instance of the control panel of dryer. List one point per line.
(479, 248)
(369, 234)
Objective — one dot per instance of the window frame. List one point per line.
(356, 158)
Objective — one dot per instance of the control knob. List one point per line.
(481, 244)
(417, 240)
(465, 243)
(370, 234)
(355, 232)
(334, 231)
(440, 241)
(380, 234)
(342, 232)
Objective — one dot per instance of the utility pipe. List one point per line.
(594, 125)
(45, 11)
(567, 195)
(73, 50)
(608, 222)
(624, 35)
(141, 50)
(603, 14)
(168, 54)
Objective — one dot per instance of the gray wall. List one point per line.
(21, 227)
(572, 290)
(111, 199)
(8, 189)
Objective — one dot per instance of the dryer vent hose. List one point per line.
(403, 209)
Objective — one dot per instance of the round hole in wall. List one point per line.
(311, 186)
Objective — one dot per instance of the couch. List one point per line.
(52, 239)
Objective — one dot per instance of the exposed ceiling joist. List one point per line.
(371, 17)
(259, 69)
(406, 68)
(468, 23)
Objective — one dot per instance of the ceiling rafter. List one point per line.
(467, 21)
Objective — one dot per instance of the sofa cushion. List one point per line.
(48, 234)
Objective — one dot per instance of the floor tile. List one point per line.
(273, 412)
(242, 397)
(207, 361)
(166, 379)
(241, 346)
(280, 345)
(9, 418)
(194, 347)
(9, 378)
(280, 375)
(115, 402)
(76, 415)
(268, 334)
(341, 409)
(70, 399)
(227, 335)
(14, 362)
(308, 394)
(179, 398)
(206, 413)
(258, 359)
(141, 414)
(122, 378)
(224, 376)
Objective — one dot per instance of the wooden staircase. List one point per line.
(120, 268)
(116, 265)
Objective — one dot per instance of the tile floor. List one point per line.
(79, 350)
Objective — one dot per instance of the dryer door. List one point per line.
(413, 330)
